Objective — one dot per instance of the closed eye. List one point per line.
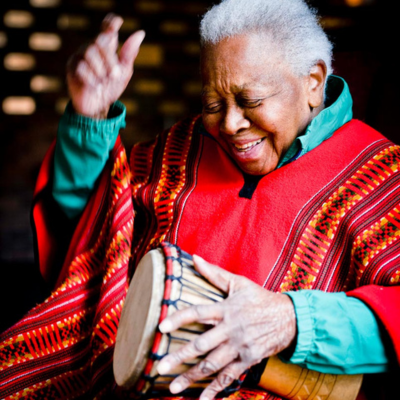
(212, 108)
(249, 103)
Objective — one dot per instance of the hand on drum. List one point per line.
(98, 75)
(249, 325)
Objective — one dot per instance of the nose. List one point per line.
(234, 121)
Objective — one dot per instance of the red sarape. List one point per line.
(329, 221)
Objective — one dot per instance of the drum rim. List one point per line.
(167, 251)
(131, 376)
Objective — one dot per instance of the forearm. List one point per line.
(82, 150)
(337, 334)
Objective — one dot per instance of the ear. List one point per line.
(316, 84)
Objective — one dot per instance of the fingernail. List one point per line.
(175, 387)
(165, 326)
(164, 367)
(143, 33)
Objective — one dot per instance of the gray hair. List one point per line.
(291, 25)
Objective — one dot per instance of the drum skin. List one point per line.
(139, 319)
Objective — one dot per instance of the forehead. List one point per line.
(242, 61)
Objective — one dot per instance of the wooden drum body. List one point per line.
(164, 282)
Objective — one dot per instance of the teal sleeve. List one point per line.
(336, 334)
(82, 150)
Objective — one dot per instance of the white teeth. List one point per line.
(247, 145)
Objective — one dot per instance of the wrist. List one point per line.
(100, 115)
(93, 114)
(292, 321)
(100, 126)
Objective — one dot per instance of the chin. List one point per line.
(257, 170)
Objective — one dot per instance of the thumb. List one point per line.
(215, 275)
(130, 48)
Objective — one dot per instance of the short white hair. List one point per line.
(291, 25)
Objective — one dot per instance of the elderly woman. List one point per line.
(291, 202)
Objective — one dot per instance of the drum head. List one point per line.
(139, 319)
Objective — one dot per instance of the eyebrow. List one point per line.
(255, 83)
(245, 86)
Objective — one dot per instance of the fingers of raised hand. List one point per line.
(107, 44)
(102, 61)
(96, 62)
(111, 23)
(84, 73)
(130, 49)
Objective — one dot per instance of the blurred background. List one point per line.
(38, 36)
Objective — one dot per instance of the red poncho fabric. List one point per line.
(328, 221)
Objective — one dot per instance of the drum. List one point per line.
(165, 281)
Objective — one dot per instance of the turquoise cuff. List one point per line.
(90, 126)
(337, 334)
(82, 150)
(305, 327)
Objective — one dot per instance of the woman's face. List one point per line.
(253, 105)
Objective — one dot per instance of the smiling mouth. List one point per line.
(247, 146)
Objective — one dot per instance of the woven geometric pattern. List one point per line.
(381, 235)
(320, 232)
(70, 337)
(172, 185)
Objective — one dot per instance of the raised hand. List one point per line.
(249, 325)
(98, 75)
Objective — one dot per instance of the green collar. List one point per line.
(338, 111)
